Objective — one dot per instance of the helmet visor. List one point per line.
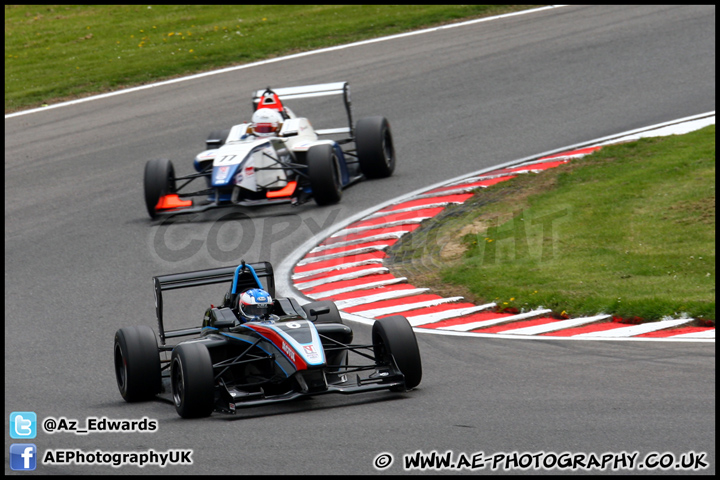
(265, 128)
(259, 310)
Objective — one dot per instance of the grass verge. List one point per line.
(59, 52)
(629, 231)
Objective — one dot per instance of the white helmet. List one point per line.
(266, 121)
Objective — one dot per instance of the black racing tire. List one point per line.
(191, 376)
(374, 146)
(159, 181)
(137, 363)
(393, 337)
(324, 174)
(333, 316)
(216, 139)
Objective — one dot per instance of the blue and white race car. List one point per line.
(276, 158)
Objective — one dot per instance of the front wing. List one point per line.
(228, 400)
(173, 205)
(169, 209)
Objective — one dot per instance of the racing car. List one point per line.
(275, 161)
(240, 358)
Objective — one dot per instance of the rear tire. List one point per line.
(192, 379)
(324, 174)
(374, 145)
(137, 363)
(393, 337)
(159, 181)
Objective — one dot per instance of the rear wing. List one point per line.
(242, 276)
(307, 91)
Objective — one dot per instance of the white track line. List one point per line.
(368, 239)
(397, 223)
(705, 334)
(339, 278)
(344, 253)
(409, 209)
(417, 320)
(339, 266)
(496, 321)
(377, 312)
(378, 297)
(637, 329)
(454, 191)
(480, 178)
(555, 326)
(365, 286)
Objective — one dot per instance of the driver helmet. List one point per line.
(266, 121)
(255, 302)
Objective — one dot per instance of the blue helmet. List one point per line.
(255, 303)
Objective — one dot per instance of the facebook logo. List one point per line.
(23, 456)
(23, 425)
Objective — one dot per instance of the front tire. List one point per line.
(137, 363)
(159, 181)
(324, 174)
(393, 338)
(374, 145)
(191, 375)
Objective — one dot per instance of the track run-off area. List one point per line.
(346, 265)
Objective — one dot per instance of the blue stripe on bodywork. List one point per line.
(231, 171)
(258, 346)
(290, 340)
(267, 339)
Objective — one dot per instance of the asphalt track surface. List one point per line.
(80, 250)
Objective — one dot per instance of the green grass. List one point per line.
(58, 52)
(629, 231)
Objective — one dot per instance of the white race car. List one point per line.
(276, 158)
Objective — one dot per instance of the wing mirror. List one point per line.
(319, 311)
